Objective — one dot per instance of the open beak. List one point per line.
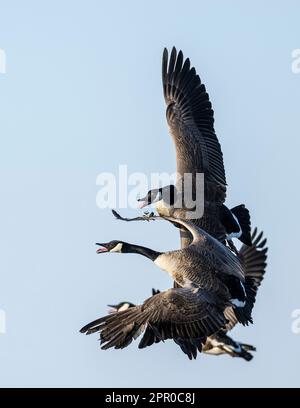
(142, 202)
(102, 249)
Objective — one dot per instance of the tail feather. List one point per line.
(243, 314)
(187, 347)
(149, 337)
(191, 346)
(243, 216)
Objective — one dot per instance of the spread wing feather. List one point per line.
(191, 121)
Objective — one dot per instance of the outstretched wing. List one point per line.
(176, 313)
(191, 122)
(254, 261)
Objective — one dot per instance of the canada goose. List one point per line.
(212, 280)
(175, 313)
(254, 261)
(191, 123)
(235, 221)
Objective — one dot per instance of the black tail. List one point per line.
(243, 216)
(245, 355)
(190, 347)
(243, 314)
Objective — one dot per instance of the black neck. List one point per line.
(137, 249)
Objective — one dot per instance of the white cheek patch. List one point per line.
(117, 248)
(124, 307)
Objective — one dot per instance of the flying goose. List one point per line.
(212, 280)
(175, 313)
(254, 261)
(191, 123)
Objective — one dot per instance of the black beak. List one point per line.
(102, 249)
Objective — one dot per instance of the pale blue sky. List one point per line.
(82, 94)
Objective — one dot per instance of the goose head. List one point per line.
(167, 194)
(125, 247)
(120, 307)
(112, 246)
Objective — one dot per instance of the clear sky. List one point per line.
(81, 95)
